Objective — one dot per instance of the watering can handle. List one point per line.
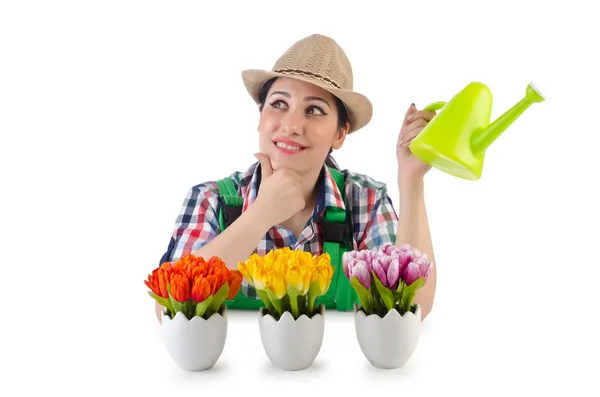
(434, 106)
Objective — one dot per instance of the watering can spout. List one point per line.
(485, 136)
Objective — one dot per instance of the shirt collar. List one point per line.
(329, 195)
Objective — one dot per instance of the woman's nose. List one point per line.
(293, 123)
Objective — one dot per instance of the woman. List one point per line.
(307, 109)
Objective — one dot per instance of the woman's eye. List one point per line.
(315, 110)
(278, 104)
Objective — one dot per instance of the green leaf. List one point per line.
(190, 308)
(399, 291)
(418, 283)
(202, 306)
(218, 299)
(314, 291)
(377, 305)
(363, 294)
(275, 301)
(162, 301)
(386, 294)
(265, 298)
(408, 294)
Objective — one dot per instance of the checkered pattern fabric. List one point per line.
(374, 220)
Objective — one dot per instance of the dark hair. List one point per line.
(341, 108)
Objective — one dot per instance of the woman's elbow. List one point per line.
(158, 308)
(426, 310)
(426, 297)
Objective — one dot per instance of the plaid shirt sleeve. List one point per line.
(197, 222)
(374, 218)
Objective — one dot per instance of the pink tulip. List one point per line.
(393, 274)
(405, 257)
(380, 266)
(387, 249)
(405, 248)
(390, 264)
(348, 259)
(416, 269)
(362, 272)
(366, 255)
(411, 273)
(424, 266)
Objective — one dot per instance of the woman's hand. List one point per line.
(280, 194)
(410, 167)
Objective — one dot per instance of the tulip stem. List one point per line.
(293, 297)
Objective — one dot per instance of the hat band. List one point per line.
(308, 74)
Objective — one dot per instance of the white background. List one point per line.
(111, 110)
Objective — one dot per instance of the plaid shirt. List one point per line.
(374, 220)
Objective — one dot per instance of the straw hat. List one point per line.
(319, 60)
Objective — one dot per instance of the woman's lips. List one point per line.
(288, 147)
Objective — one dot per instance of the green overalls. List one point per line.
(337, 239)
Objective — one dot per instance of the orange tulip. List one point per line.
(153, 282)
(166, 271)
(234, 280)
(200, 290)
(222, 277)
(213, 281)
(180, 286)
(215, 264)
(192, 277)
(200, 261)
(200, 270)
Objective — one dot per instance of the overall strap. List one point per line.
(231, 204)
(337, 237)
(335, 231)
(229, 210)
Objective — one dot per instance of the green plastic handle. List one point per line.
(434, 106)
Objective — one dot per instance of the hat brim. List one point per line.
(359, 107)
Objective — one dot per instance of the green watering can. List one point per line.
(456, 139)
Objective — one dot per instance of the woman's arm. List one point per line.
(413, 226)
(235, 244)
(413, 229)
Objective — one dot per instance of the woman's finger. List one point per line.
(415, 124)
(410, 130)
(423, 114)
(411, 136)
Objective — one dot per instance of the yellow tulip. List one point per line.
(324, 280)
(306, 278)
(259, 277)
(323, 272)
(268, 262)
(323, 260)
(304, 259)
(282, 270)
(276, 283)
(294, 277)
(247, 269)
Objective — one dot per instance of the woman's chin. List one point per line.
(279, 164)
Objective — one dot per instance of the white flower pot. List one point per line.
(290, 344)
(388, 342)
(195, 344)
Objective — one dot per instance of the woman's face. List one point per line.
(298, 125)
